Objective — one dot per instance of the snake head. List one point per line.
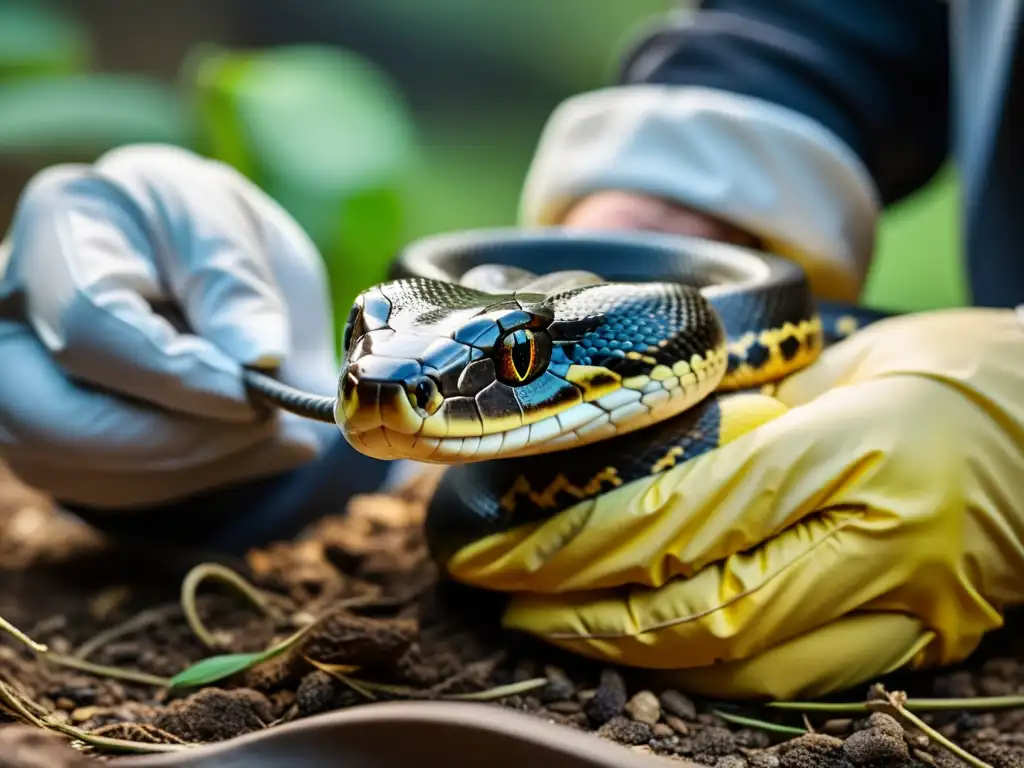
(439, 372)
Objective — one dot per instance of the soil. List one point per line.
(381, 609)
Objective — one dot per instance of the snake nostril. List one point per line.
(347, 386)
(424, 395)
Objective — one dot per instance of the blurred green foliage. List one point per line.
(329, 136)
(326, 134)
(35, 39)
(53, 106)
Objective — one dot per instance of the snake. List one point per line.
(548, 367)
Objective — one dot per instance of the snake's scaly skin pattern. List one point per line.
(548, 389)
(605, 359)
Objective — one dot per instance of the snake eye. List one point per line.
(522, 355)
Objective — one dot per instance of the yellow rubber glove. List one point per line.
(877, 522)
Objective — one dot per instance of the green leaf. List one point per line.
(39, 39)
(216, 668)
(324, 132)
(219, 667)
(80, 116)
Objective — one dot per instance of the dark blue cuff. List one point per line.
(234, 518)
(875, 72)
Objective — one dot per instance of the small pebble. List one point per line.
(714, 742)
(731, 761)
(763, 760)
(663, 731)
(677, 704)
(714, 721)
(625, 731)
(812, 750)
(559, 687)
(609, 699)
(644, 708)
(839, 726)
(880, 744)
(677, 725)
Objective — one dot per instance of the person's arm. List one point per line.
(795, 121)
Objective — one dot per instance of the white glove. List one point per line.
(104, 401)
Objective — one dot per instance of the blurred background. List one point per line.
(371, 122)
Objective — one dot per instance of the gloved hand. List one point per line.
(105, 399)
(876, 523)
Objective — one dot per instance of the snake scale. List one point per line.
(552, 366)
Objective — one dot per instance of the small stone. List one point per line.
(677, 704)
(677, 725)
(81, 714)
(564, 707)
(609, 699)
(812, 750)
(315, 694)
(731, 761)
(625, 731)
(838, 726)
(763, 760)
(714, 742)
(559, 687)
(644, 708)
(881, 743)
(663, 731)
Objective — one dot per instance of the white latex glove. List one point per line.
(103, 401)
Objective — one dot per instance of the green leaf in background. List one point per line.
(327, 135)
(81, 115)
(38, 39)
(918, 260)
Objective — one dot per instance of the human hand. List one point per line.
(615, 209)
(105, 400)
(875, 524)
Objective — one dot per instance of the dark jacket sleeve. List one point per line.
(875, 72)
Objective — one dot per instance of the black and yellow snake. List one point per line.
(551, 366)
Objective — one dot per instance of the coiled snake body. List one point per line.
(548, 388)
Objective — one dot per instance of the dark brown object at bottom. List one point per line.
(411, 733)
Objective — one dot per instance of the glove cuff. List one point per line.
(766, 169)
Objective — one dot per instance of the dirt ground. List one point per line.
(368, 580)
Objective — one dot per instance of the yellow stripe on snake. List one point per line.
(546, 389)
